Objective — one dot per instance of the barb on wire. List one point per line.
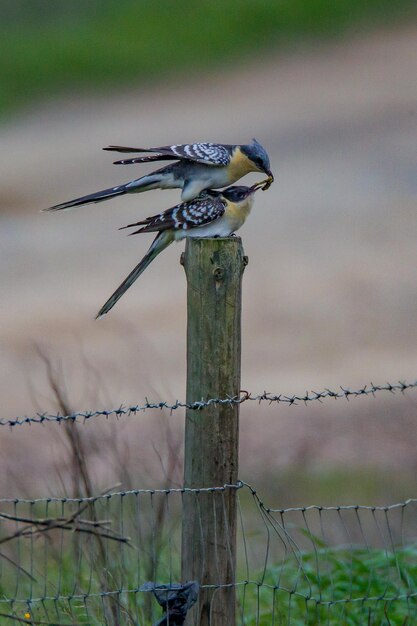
(245, 396)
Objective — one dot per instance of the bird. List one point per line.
(212, 214)
(197, 167)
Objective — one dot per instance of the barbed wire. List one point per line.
(245, 396)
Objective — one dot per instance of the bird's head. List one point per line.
(241, 193)
(259, 157)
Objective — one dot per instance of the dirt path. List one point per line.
(330, 291)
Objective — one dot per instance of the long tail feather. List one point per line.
(98, 196)
(145, 183)
(125, 149)
(161, 241)
(146, 159)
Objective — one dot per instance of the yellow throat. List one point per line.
(239, 165)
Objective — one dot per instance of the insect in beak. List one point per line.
(264, 184)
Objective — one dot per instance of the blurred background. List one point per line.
(330, 298)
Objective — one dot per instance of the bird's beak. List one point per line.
(255, 187)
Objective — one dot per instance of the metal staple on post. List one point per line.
(214, 269)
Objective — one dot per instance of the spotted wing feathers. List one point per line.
(184, 216)
(207, 153)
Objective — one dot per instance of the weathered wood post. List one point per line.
(214, 269)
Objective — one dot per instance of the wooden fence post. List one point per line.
(214, 269)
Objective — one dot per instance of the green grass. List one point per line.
(338, 587)
(66, 573)
(54, 47)
(335, 587)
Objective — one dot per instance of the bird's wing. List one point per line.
(184, 216)
(208, 153)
